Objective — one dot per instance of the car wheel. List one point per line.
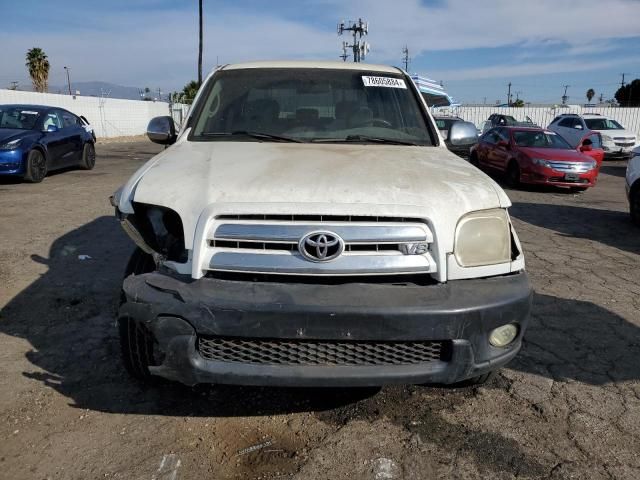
(88, 156)
(634, 205)
(474, 381)
(136, 341)
(36, 167)
(513, 175)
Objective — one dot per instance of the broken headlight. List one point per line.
(157, 230)
(483, 238)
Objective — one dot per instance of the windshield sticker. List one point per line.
(547, 132)
(388, 82)
(27, 112)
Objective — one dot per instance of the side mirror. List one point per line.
(51, 129)
(162, 130)
(578, 127)
(586, 148)
(463, 134)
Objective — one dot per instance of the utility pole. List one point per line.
(601, 97)
(509, 95)
(622, 84)
(405, 58)
(565, 97)
(68, 79)
(359, 29)
(159, 95)
(200, 43)
(518, 95)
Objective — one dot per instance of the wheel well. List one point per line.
(42, 150)
(635, 188)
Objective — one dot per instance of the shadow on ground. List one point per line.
(612, 228)
(67, 316)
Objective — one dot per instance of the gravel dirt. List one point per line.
(567, 407)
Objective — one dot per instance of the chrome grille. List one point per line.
(320, 352)
(269, 244)
(571, 167)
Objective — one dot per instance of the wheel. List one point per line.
(513, 175)
(36, 167)
(474, 160)
(475, 381)
(634, 205)
(136, 340)
(577, 189)
(88, 160)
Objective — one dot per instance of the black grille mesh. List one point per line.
(319, 352)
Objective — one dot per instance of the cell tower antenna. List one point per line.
(359, 48)
(405, 58)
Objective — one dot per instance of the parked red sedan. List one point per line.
(538, 156)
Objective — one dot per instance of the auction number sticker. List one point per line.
(388, 82)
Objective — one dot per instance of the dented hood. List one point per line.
(329, 179)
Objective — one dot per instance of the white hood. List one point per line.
(329, 179)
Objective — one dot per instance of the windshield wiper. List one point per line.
(365, 138)
(246, 133)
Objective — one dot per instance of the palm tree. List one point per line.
(590, 94)
(200, 44)
(38, 66)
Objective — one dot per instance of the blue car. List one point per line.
(36, 139)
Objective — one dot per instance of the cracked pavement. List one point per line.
(567, 407)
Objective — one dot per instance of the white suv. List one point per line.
(308, 226)
(633, 186)
(616, 141)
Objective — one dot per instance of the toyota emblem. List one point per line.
(321, 246)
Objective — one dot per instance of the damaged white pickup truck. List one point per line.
(308, 227)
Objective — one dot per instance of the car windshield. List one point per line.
(310, 105)
(18, 117)
(539, 139)
(602, 124)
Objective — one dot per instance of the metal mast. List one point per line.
(359, 47)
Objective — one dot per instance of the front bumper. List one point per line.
(548, 176)
(178, 311)
(11, 162)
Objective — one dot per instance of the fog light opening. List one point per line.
(504, 335)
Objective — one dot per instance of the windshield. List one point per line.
(602, 124)
(539, 139)
(310, 105)
(18, 117)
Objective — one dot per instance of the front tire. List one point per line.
(476, 381)
(136, 341)
(36, 167)
(513, 175)
(88, 156)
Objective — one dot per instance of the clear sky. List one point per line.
(474, 47)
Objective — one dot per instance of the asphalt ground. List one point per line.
(567, 407)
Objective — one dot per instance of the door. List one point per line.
(72, 130)
(595, 151)
(486, 143)
(54, 140)
(499, 155)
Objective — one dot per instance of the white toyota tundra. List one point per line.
(308, 227)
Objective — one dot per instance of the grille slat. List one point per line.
(320, 352)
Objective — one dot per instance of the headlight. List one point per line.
(592, 164)
(483, 238)
(541, 162)
(12, 145)
(606, 138)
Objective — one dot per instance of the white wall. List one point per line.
(628, 117)
(110, 117)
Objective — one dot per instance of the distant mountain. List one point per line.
(98, 89)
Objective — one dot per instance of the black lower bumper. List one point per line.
(461, 313)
